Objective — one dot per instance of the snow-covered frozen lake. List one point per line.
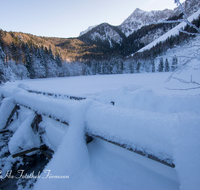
(90, 85)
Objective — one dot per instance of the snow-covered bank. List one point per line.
(146, 116)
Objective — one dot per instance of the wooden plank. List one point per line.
(88, 139)
(35, 122)
(4, 131)
(28, 151)
(152, 157)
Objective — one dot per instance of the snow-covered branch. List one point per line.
(189, 33)
(190, 58)
(185, 19)
(178, 3)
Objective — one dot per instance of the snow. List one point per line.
(24, 138)
(132, 128)
(87, 30)
(186, 152)
(54, 132)
(146, 116)
(5, 110)
(147, 100)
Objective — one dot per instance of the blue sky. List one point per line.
(67, 18)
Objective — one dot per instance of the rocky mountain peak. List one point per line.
(141, 18)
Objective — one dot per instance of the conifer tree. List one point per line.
(138, 67)
(161, 65)
(29, 62)
(39, 64)
(174, 63)
(153, 66)
(166, 65)
(2, 67)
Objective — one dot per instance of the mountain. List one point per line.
(88, 29)
(112, 35)
(138, 30)
(104, 34)
(141, 18)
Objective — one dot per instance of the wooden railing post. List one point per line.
(36, 121)
(11, 115)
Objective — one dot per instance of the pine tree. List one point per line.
(153, 67)
(138, 67)
(59, 65)
(161, 65)
(2, 66)
(29, 62)
(166, 65)
(40, 63)
(14, 52)
(174, 63)
(121, 66)
(58, 60)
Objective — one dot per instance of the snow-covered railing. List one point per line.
(57, 95)
(126, 128)
(142, 153)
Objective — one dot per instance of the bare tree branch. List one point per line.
(188, 82)
(179, 69)
(185, 19)
(189, 33)
(183, 88)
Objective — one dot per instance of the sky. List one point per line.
(67, 18)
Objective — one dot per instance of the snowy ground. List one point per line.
(147, 116)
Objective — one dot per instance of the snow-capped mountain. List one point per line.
(87, 30)
(141, 18)
(116, 34)
(104, 33)
(138, 30)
